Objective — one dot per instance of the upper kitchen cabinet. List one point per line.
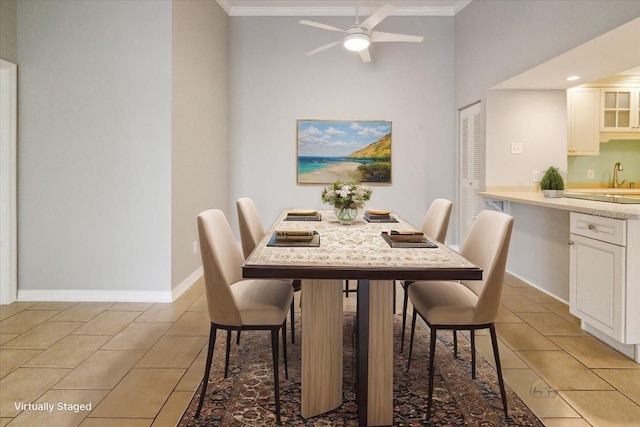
(620, 111)
(584, 117)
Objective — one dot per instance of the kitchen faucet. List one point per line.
(617, 167)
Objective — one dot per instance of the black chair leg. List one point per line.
(346, 288)
(405, 304)
(284, 348)
(473, 353)
(455, 344)
(413, 329)
(293, 322)
(276, 378)
(207, 369)
(496, 355)
(432, 354)
(226, 357)
(238, 338)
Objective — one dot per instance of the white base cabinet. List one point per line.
(597, 284)
(604, 277)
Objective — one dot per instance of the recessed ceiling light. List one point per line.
(572, 78)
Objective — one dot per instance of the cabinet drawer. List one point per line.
(596, 227)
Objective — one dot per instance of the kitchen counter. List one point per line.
(532, 197)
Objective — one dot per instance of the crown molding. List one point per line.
(338, 8)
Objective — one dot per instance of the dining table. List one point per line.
(350, 252)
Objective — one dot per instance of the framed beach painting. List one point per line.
(345, 150)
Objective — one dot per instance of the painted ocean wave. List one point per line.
(308, 164)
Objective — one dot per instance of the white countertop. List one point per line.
(535, 198)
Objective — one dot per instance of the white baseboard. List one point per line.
(512, 278)
(84, 295)
(186, 283)
(93, 296)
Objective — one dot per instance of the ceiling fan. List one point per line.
(358, 37)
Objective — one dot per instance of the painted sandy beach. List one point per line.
(344, 171)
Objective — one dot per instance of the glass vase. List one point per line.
(345, 214)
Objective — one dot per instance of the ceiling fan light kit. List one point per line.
(359, 36)
(356, 40)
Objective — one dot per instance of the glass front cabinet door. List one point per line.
(620, 110)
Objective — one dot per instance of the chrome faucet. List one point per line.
(617, 167)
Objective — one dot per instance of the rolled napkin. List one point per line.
(407, 235)
(297, 235)
(302, 212)
(377, 212)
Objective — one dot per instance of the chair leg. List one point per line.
(207, 369)
(413, 329)
(293, 322)
(284, 348)
(346, 288)
(276, 377)
(405, 304)
(496, 355)
(432, 369)
(455, 344)
(238, 338)
(473, 353)
(226, 357)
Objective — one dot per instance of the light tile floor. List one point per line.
(138, 364)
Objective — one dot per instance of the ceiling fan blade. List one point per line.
(364, 55)
(320, 25)
(321, 48)
(377, 17)
(378, 36)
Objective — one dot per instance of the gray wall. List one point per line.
(95, 146)
(200, 120)
(123, 141)
(496, 40)
(273, 84)
(8, 30)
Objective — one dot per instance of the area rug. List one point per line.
(246, 397)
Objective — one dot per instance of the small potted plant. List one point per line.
(552, 182)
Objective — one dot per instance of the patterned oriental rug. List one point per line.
(246, 397)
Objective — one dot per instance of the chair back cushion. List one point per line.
(487, 246)
(251, 230)
(222, 264)
(436, 220)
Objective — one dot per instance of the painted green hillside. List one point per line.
(380, 149)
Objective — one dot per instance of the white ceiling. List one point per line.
(340, 7)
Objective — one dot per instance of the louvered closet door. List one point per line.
(470, 204)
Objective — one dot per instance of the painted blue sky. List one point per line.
(338, 138)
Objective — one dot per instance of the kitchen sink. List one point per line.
(612, 197)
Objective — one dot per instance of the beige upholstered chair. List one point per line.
(237, 304)
(434, 225)
(467, 305)
(251, 232)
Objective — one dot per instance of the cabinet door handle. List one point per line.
(570, 242)
(591, 226)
